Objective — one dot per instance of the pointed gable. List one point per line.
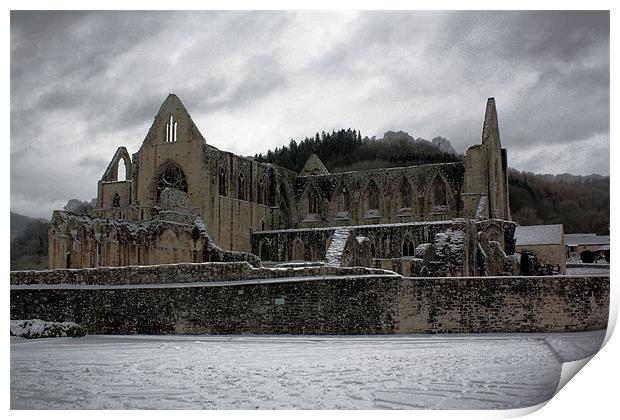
(172, 124)
(314, 166)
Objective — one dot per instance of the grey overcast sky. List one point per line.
(84, 83)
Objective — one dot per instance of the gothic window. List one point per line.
(116, 201)
(264, 252)
(298, 250)
(373, 250)
(221, 181)
(373, 196)
(344, 200)
(261, 191)
(272, 188)
(121, 170)
(171, 130)
(241, 186)
(313, 202)
(171, 177)
(405, 193)
(439, 192)
(408, 248)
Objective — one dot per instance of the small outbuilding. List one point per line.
(577, 243)
(546, 244)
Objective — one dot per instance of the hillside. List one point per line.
(29, 246)
(345, 150)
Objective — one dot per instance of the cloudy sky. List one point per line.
(84, 83)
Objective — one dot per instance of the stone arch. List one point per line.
(341, 202)
(310, 203)
(298, 250)
(404, 197)
(265, 250)
(261, 190)
(221, 181)
(495, 233)
(241, 186)
(438, 198)
(408, 246)
(112, 171)
(314, 201)
(169, 175)
(373, 196)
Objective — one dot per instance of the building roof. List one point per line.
(539, 235)
(575, 239)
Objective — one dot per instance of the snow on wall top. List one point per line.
(538, 235)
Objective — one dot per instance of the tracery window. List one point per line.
(116, 201)
(171, 177)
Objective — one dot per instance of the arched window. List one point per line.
(298, 250)
(265, 255)
(373, 250)
(241, 186)
(408, 248)
(344, 200)
(261, 191)
(121, 170)
(405, 193)
(116, 200)
(373, 196)
(221, 181)
(313, 202)
(439, 192)
(171, 176)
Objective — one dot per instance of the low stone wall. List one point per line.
(504, 304)
(176, 273)
(307, 300)
(363, 304)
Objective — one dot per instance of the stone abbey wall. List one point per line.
(237, 197)
(236, 299)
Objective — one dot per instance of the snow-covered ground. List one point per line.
(317, 372)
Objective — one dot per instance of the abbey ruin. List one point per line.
(182, 200)
(195, 240)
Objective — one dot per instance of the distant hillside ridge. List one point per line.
(19, 223)
(346, 150)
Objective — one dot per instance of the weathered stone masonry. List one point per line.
(176, 181)
(314, 300)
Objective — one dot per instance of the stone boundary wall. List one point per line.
(365, 304)
(504, 304)
(177, 273)
(323, 304)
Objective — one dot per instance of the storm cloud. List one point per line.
(83, 83)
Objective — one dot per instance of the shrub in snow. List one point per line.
(36, 328)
